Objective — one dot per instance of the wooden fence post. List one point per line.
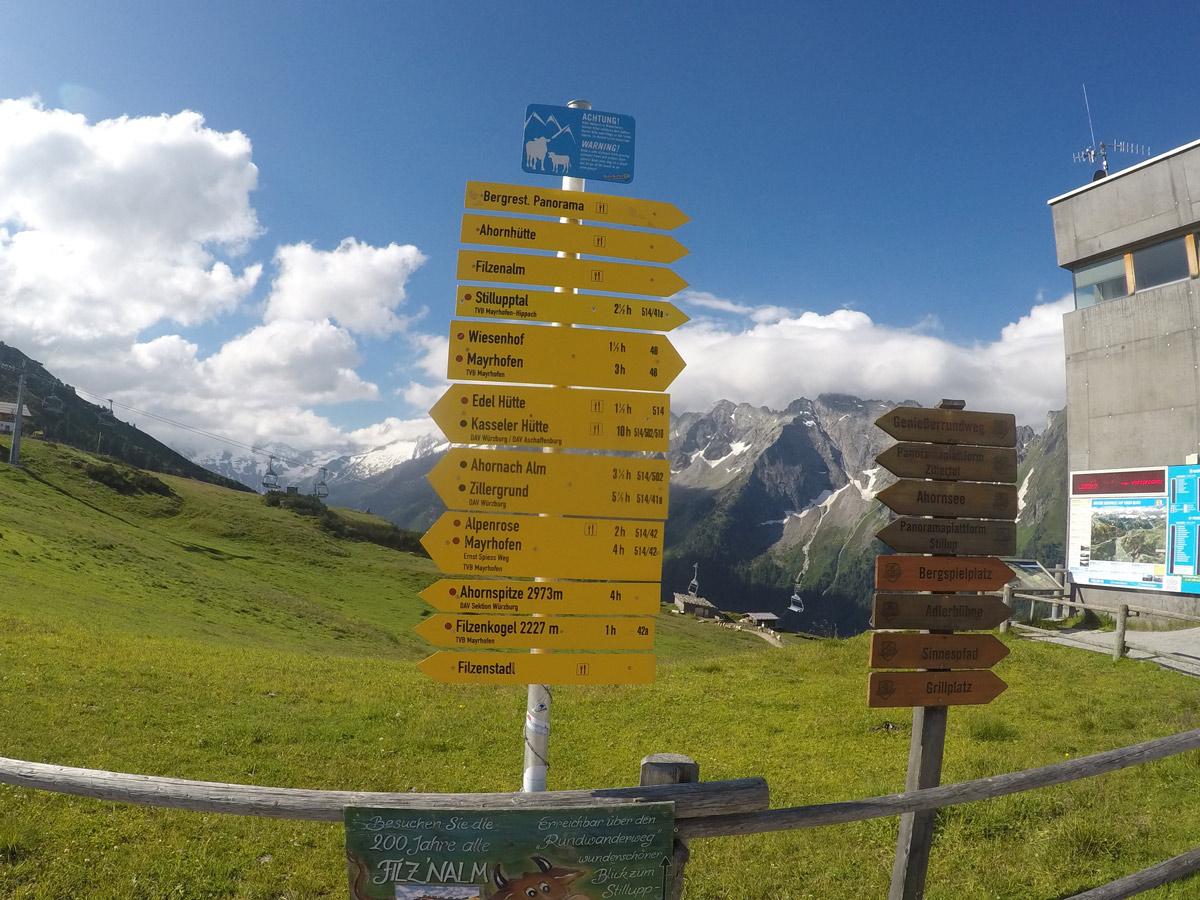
(1119, 637)
(916, 829)
(671, 768)
(1006, 593)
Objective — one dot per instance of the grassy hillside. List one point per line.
(199, 633)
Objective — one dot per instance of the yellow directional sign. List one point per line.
(452, 666)
(573, 205)
(552, 597)
(528, 632)
(546, 546)
(593, 240)
(540, 354)
(524, 268)
(519, 481)
(572, 309)
(553, 417)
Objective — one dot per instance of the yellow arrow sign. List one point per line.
(573, 205)
(524, 268)
(516, 632)
(553, 597)
(499, 351)
(451, 666)
(538, 234)
(518, 481)
(572, 309)
(546, 546)
(553, 417)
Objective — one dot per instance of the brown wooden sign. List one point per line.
(950, 426)
(934, 498)
(939, 612)
(940, 573)
(955, 462)
(934, 688)
(893, 650)
(975, 537)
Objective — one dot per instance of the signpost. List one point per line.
(557, 484)
(454, 667)
(546, 546)
(975, 447)
(571, 309)
(611, 208)
(538, 234)
(524, 268)
(559, 633)
(546, 597)
(553, 417)
(538, 354)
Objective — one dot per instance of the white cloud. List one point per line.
(357, 285)
(772, 363)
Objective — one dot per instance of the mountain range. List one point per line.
(765, 505)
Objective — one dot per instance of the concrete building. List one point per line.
(1133, 362)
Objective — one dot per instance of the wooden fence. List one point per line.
(702, 809)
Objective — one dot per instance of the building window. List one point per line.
(1160, 264)
(1103, 281)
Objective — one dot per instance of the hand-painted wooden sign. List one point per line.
(957, 462)
(940, 573)
(975, 537)
(520, 481)
(553, 417)
(888, 689)
(526, 304)
(936, 498)
(539, 354)
(891, 650)
(950, 426)
(454, 667)
(617, 210)
(551, 597)
(939, 612)
(510, 854)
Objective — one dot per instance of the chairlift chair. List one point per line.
(694, 587)
(796, 604)
(105, 417)
(52, 404)
(270, 479)
(321, 489)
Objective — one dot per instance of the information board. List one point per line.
(582, 143)
(589, 853)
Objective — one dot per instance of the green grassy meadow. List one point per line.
(202, 634)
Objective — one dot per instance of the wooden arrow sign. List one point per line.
(939, 612)
(950, 461)
(538, 354)
(940, 573)
(888, 689)
(553, 417)
(538, 234)
(891, 650)
(550, 597)
(560, 484)
(454, 667)
(933, 498)
(618, 210)
(588, 274)
(950, 426)
(573, 309)
(971, 537)
(546, 546)
(547, 633)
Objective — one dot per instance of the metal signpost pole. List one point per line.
(537, 703)
(14, 453)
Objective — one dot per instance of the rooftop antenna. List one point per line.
(1089, 153)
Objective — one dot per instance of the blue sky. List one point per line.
(867, 186)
